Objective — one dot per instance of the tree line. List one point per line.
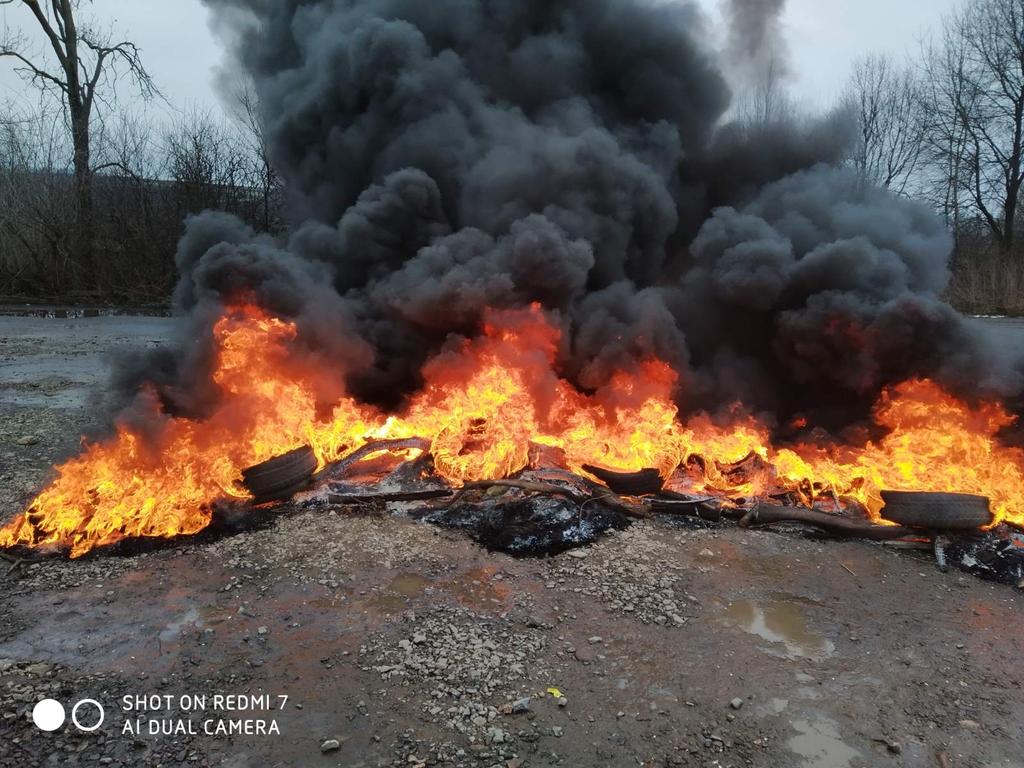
(152, 176)
(947, 127)
(92, 197)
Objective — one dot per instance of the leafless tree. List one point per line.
(206, 162)
(35, 202)
(764, 98)
(264, 178)
(885, 100)
(974, 103)
(81, 65)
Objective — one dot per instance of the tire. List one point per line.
(954, 511)
(282, 476)
(628, 483)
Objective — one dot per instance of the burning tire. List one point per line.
(282, 476)
(916, 509)
(628, 483)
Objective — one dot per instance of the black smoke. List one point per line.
(443, 157)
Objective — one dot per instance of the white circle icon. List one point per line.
(48, 715)
(74, 715)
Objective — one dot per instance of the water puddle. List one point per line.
(782, 620)
(478, 587)
(819, 744)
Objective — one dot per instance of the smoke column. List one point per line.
(447, 156)
(755, 39)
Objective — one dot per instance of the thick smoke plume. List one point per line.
(756, 42)
(448, 156)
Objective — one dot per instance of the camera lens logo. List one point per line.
(49, 715)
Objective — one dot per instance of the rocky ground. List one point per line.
(400, 644)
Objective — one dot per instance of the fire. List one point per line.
(484, 402)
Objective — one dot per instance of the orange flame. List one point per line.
(483, 404)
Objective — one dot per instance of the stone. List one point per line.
(519, 706)
(330, 745)
(736, 703)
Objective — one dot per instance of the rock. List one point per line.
(27, 440)
(262, 631)
(579, 554)
(563, 702)
(519, 706)
(584, 656)
(707, 553)
(557, 731)
(330, 745)
(419, 638)
(594, 639)
(495, 736)
(972, 724)
(736, 703)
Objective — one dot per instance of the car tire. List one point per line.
(282, 476)
(923, 509)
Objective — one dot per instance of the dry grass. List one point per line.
(986, 283)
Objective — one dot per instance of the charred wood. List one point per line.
(386, 496)
(338, 468)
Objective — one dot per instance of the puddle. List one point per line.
(783, 620)
(820, 746)
(479, 587)
(396, 595)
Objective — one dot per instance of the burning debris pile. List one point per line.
(529, 250)
(494, 416)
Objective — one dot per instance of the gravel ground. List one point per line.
(400, 644)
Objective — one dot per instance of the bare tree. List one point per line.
(207, 162)
(885, 100)
(764, 98)
(975, 112)
(35, 203)
(263, 176)
(81, 65)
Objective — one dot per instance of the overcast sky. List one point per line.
(824, 36)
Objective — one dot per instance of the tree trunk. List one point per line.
(83, 247)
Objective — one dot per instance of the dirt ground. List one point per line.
(399, 644)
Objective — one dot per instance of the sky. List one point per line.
(824, 36)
